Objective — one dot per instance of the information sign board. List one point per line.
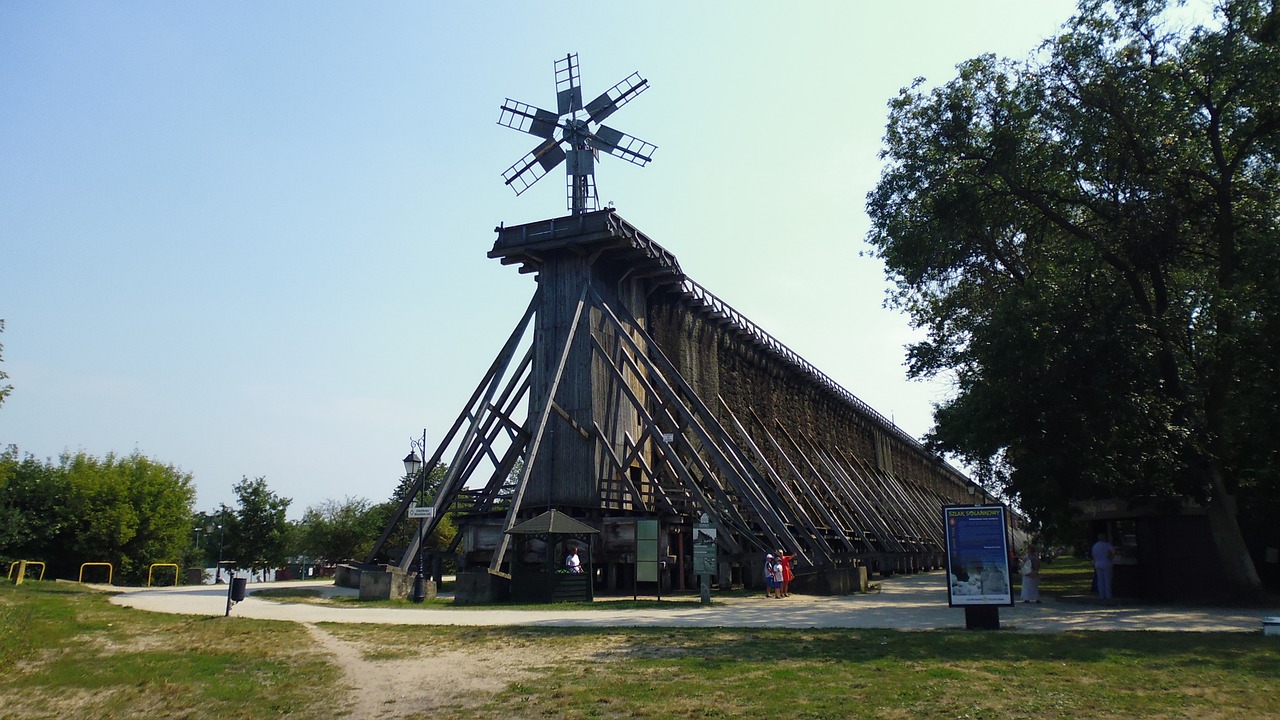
(977, 556)
(704, 550)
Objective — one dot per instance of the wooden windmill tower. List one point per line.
(643, 400)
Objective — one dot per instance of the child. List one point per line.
(771, 585)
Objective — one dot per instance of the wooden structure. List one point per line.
(538, 572)
(640, 395)
(1164, 548)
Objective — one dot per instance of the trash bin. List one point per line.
(195, 576)
(237, 588)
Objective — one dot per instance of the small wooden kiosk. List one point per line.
(538, 573)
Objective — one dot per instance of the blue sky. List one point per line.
(249, 239)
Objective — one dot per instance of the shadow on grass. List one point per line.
(1255, 655)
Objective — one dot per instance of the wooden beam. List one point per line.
(841, 502)
(696, 413)
(789, 502)
(886, 539)
(518, 497)
(657, 387)
(495, 371)
(620, 469)
(572, 423)
(814, 501)
(723, 512)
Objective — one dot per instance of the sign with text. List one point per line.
(422, 511)
(977, 556)
(704, 549)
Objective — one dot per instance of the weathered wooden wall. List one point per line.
(721, 360)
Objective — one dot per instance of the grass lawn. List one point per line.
(65, 651)
(1065, 576)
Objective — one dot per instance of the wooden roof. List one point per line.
(553, 522)
(602, 233)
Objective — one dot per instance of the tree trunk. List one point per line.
(1242, 577)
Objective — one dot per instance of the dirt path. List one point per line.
(433, 681)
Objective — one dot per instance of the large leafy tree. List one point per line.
(1090, 238)
(339, 530)
(34, 514)
(130, 511)
(257, 531)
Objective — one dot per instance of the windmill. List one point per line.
(581, 144)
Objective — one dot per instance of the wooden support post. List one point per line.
(806, 488)
(839, 500)
(517, 498)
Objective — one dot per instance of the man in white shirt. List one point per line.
(1104, 555)
(573, 562)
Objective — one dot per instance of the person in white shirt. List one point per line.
(1104, 555)
(573, 562)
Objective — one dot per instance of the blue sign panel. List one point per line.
(977, 556)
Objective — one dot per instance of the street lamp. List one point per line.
(218, 573)
(412, 466)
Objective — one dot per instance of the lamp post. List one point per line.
(413, 466)
(218, 573)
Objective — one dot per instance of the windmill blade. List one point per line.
(616, 96)
(619, 144)
(568, 85)
(530, 168)
(527, 118)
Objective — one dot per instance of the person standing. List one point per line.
(1104, 555)
(785, 562)
(770, 584)
(572, 561)
(1031, 575)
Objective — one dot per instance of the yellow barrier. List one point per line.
(14, 566)
(156, 565)
(110, 570)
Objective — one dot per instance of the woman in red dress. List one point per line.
(786, 573)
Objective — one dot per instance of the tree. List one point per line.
(1089, 238)
(257, 532)
(403, 533)
(5, 388)
(203, 551)
(129, 511)
(339, 530)
(33, 509)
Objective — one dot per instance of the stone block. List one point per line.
(347, 576)
(389, 584)
(480, 588)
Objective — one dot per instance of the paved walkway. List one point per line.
(914, 602)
